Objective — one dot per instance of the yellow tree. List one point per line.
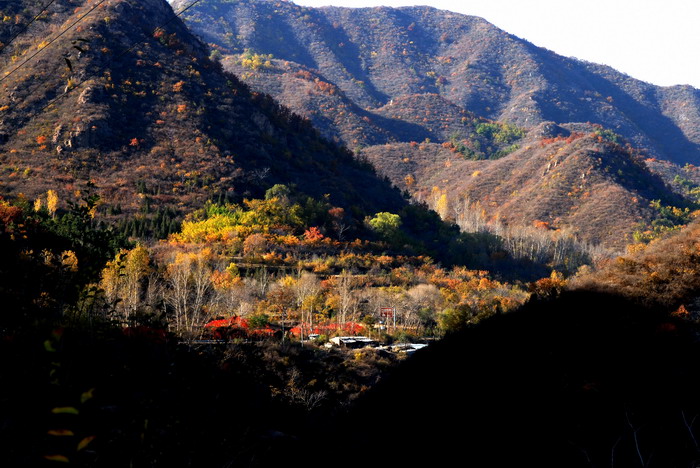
(233, 295)
(439, 202)
(136, 269)
(410, 181)
(110, 278)
(442, 206)
(51, 202)
(123, 280)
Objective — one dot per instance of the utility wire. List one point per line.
(177, 15)
(52, 40)
(46, 7)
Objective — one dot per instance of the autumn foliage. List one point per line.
(664, 274)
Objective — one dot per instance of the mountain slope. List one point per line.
(559, 179)
(374, 55)
(588, 379)
(143, 114)
(388, 82)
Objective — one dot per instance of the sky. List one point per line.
(657, 41)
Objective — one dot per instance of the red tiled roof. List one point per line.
(238, 322)
(350, 328)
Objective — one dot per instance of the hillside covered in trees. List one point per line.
(602, 369)
(562, 179)
(127, 99)
(386, 81)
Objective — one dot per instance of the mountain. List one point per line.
(447, 104)
(121, 96)
(560, 177)
(371, 56)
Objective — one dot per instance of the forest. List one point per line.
(118, 330)
(71, 281)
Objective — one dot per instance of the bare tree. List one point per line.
(307, 286)
(201, 286)
(421, 297)
(262, 280)
(177, 294)
(559, 249)
(188, 278)
(235, 298)
(344, 288)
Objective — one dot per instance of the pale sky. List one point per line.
(653, 40)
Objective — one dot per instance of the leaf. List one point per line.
(57, 458)
(87, 395)
(84, 443)
(65, 410)
(79, 49)
(60, 432)
(70, 66)
(48, 346)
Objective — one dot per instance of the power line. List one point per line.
(177, 15)
(52, 41)
(46, 7)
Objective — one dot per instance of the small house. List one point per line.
(352, 342)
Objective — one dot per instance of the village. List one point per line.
(330, 335)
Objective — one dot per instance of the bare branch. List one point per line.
(689, 426)
(636, 439)
(612, 452)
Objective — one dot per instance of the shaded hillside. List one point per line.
(143, 114)
(309, 94)
(374, 55)
(579, 181)
(589, 379)
(577, 383)
(683, 180)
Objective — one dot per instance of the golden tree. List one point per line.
(51, 202)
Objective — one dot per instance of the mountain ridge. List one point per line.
(377, 54)
(127, 100)
(443, 103)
